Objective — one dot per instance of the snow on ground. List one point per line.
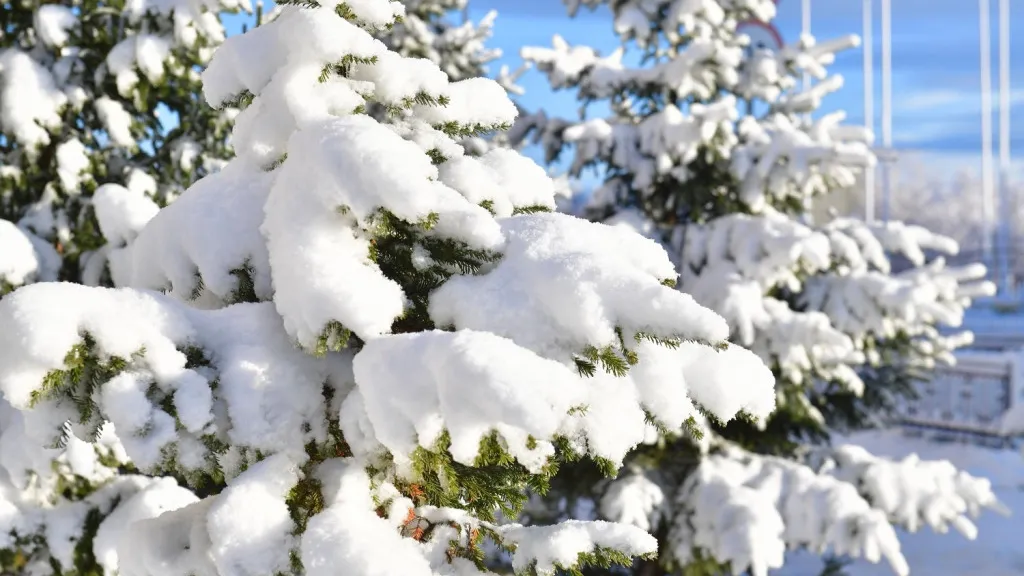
(999, 549)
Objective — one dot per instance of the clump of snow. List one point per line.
(223, 213)
(72, 165)
(249, 525)
(32, 101)
(449, 381)
(547, 548)
(52, 23)
(349, 536)
(25, 257)
(503, 178)
(117, 121)
(634, 499)
(121, 212)
(565, 307)
(157, 498)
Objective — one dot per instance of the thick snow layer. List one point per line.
(450, 381)
(569, 301)
(336, 178)
(25, 257)
(223, 213)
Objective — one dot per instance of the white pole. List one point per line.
(805, 25)
(1006, 206)
(987, 200)
(886, 107)
(869, 108)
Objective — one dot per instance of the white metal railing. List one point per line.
(971, 397)
(998, 341)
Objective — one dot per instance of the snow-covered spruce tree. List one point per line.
(711, 150)
(86, 92)
(368, 349)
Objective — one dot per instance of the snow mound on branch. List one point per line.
(117, 121)
(565, 283)
(349, 536)
(559, 545)
(479, 101)
(25, 257)
(222, 213)
(449, 381)
(635, 499)
(121, 212)
(326, 195)
(504, 178)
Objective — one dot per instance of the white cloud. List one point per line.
(925, 101)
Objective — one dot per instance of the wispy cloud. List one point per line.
(930, 101)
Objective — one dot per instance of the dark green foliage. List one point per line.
(601, 559)
(246, 289)
(85, 560)
(530, 209)
(83, 374)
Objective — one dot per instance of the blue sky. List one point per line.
(936, 74)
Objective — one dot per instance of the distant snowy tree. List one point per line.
(429, 30)
(929, 191)
(369, 345)
(710, 149)
(98, 95)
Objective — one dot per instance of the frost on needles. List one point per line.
(355, 349)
